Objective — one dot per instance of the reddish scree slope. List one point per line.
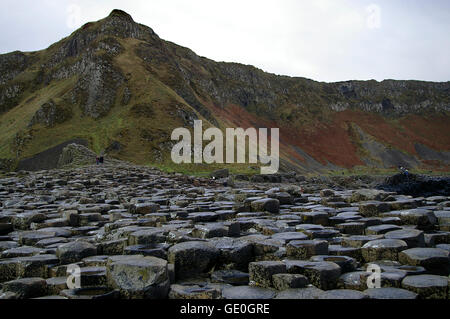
(334, 142)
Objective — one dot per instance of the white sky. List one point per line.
(325, 40)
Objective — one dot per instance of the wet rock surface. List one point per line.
(135, 232)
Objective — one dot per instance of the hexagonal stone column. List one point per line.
(261, 272)
(138, 276)
(412, 237)
(383, 249)
(427, 286)
(270, 205)
(304, 249)
(435, 260)
(192, 258)
(323, 274)
(75, 251)
(26, 287)
(390, 293)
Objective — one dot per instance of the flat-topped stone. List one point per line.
(435, 260)
(427, 286)
(383, 249)
(390, 293)
(139, 277)
(181, 255)
(412, 237)
(247, 292)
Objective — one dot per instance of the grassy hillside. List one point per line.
(115, 82)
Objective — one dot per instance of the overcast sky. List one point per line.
(325, 40)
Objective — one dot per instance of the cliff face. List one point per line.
(116, 82)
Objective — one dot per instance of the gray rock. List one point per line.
(261, 272)
(75, 251)
(358, 241)
(346, 263)
(323, 275)
(26, 287)
(147, 236)
(266, 204)
(192, 258)
(22, 251)
(373, 208)
(381, 229)
(390, 293)
(435, 260)
(194, 292)
(300, 293)
(304, 249)
(232, 277)
(139, 277)
(383, 249)
(143, 208)
(356, 280)
(90, 293)
(412, 237)
(424, 219)
(427, 286)
(234, 253)
(247, 292)
(287, 281)
(343, 294)
(289, 236)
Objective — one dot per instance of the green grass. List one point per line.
(203, 170)
(362, 170)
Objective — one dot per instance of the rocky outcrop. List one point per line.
(11, 65)
(10, 96)
(49, 158)
(97, 87)
(50, 114)
(417, 185)
(75, 154)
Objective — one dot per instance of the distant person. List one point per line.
(403, 171)
(101, 159)
(97, 160)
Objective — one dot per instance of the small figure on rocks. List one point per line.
(403, 170)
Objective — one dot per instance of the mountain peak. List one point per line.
(117, 13)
